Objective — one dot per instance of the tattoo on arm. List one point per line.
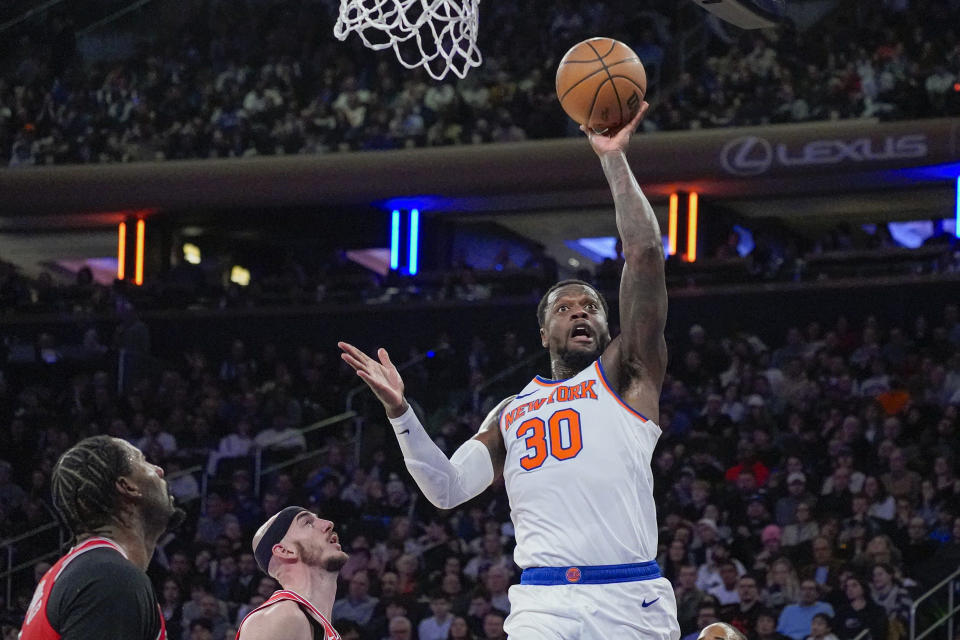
(643, 292)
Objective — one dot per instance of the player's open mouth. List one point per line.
(582, 333)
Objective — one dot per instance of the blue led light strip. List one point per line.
(414, 240)
(956, 229)
(395, 240)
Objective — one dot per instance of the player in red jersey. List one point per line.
(303, 553)
(117, 505)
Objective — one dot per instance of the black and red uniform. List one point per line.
(94, 592)
(319, 625)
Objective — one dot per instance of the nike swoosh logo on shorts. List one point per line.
(647, 604)
(403, 432)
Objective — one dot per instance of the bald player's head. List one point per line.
(721, 631)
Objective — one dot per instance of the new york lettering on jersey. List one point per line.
(578, 473)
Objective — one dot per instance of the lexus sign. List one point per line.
(754, 156)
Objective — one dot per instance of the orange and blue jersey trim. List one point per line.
(606, 384)
(544, 382)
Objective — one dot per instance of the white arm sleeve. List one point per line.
(445, 483)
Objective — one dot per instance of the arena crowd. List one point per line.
(266, 78)
(805, 487)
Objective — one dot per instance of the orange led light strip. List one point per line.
(692, 228)
(122, 251)
(672, 224)
(138, 272)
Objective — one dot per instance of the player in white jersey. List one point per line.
(574, 451)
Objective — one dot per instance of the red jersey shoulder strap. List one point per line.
(286, 594)
(162, 633)
(83, 547)
(327, 626)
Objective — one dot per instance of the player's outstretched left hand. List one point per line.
(618, 140)
(382, 377)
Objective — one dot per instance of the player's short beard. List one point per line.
(162, 514)
(576, 360)
(176, 519)
(331, 564)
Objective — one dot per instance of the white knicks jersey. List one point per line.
(578, 474)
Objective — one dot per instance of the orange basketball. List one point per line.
(601, 83)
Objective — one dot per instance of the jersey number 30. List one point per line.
(543, 439)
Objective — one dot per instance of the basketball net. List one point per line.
(438, 35)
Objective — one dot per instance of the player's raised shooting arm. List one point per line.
(641, 351)
(643, 288)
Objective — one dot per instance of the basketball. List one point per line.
(601, 83)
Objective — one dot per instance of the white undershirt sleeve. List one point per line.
(445, 483)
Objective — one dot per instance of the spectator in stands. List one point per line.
(770, 536)
(459, 630)
(248, 577)
(901, 481)
(821, 628)
(215, 520)
(886, 591)
(497, 582)
(727, 592)
(234, 445)
(859, 612)
(743, 613)
(171, 604)
(782, 585)
(408, 575)
(860, 526)
(796, 619)
(689, 597)
(182, 396)
(243, 502)
(358, 605)
(766, 627)
(803, 530)
(706, 616)
(675, 556)
(193, 608)
(224, 582)
(280, 436)
(836, 498)
(477, 611)
(879, 549)
(882, 505)
(825, 569)
(436, 626)
(202, 629)
(491, 554)
(400, 628)
(12, 496)
(493, 626)
(786, 507)
(917, 548)
(153, 432)
(213, 611)
(709, 574)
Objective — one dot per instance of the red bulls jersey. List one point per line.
(323, 630)
(88, 604)
(578, 474)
